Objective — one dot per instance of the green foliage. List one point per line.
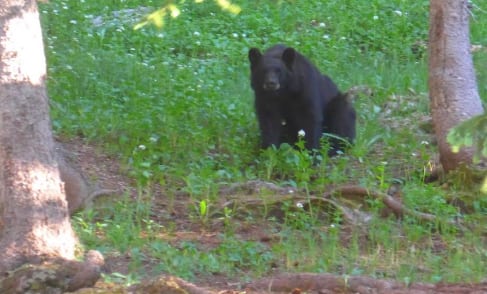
(157, 17)
(471, 132)
(175, 107)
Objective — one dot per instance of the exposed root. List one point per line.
(54, 275)
(334, 198)
(168, 285)
(300, 283)
(322, 283)
(84, 274)
(396, 207)
(359, 193)
(328, 283)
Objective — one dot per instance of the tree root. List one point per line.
(322, 283)
(328, 283)
(390, 202)
(334, 198)
(298, 283)
(54, 275)
(168, 285)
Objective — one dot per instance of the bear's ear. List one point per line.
(254, 56)
(288, 57)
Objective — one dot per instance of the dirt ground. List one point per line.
(105, 171)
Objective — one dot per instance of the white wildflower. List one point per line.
(301, 133)
(398, 12)
(299, 205)
(141, 147)
(375, 17)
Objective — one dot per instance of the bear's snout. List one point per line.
(271, 86)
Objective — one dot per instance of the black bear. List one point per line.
(292, 95)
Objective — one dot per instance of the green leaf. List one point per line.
(470, 133)
(203, 208)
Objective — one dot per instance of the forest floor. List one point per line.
(106, 172)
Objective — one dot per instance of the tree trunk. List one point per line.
(34, 220)
(452, 85)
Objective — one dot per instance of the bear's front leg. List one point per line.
(313, 135)
(270, 129)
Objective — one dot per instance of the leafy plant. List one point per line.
(470, 133)
(157, 17)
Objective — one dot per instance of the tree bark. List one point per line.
(34, 219)
(453, 89)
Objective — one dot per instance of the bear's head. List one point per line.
(273, 70)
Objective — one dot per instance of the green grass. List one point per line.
(175, 105)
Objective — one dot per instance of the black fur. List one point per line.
(292, 95)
